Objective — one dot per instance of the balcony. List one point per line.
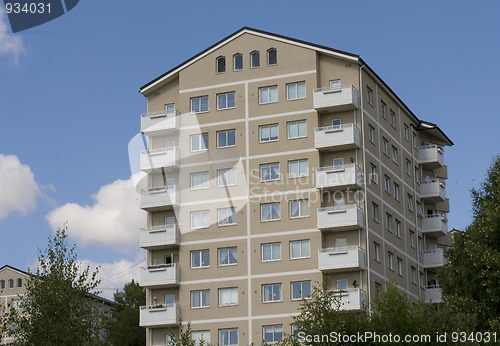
(335, 99)
(433, 294)
(340, 137)
(352, 299)
(155, 159)
(341, 259)
(339, 177)
(159, 123)
(435, 225)
(159, 237)
(431, 156)
(159, 198)
(434, 258)
(346, 218)
(159, 316)
(433, 190)
(164, 275)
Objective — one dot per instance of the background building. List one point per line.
(269, 162)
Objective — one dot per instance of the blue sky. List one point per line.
(69, 101)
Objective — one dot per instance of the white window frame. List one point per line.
(374, 212)
(302, 213)
(228, 250)
(411, 240)
(371, 134)
(198, 335)
(305, 242)
(269, 94)
(229, 333)
(225, 214)
(226, 96)
(390, 258)
(276, 331)
(396, 191)
(397, 228)
(385, 147)
(269, 57)
(296, 86)
(271, 167)
(407, 133)
(298, 123)
(395, 155)
(199, 253)
(226, 132)
(383, 109)
(224, 177)
(373, 173)
(200, 293)
(399, 262)
(301, 283)
(274, 256)
(376, 252)
(413, 275)
(217, 64)
(200, 108)
(234, 62)
(170, 109)
(410, 203)
(299, 163)
(204, 180)
(369, 95)
(233, 293)
(388, 222)
(200, 142)
(387, 184)
(264, 205)
(268, 128)
(273, 288)
(252, 60)
(393, 118)
(202, 214)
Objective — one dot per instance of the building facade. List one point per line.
(271, 161)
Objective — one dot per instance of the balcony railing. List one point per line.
(340, 259)
(431, 156)
(340, 218)
(344, 176)
(433, 190)
(164, 275)
(340, 137)
(159, 123)
(433, 294)
(352, 299)
(335, 99)
(159, 198)
(159, 237)
(435, 225)
(156, 159)
(159, 316)
(434, 258)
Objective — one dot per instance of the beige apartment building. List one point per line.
(271, 161)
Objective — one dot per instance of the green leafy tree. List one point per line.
(123, 327)
(470, 282)
(58, 308)
(184, 337)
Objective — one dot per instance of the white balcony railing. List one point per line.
(335, 99)
(435, 225)
(159, 237)
(341, 137)
(433, 294)
(340, 218)
(431, 156)
(160, 275)
(434, 258)
(433, 189)
(159, 158)
(341, 259)
(352, 299)
(159, 198)
(159, 123)
(159, 316)
(344, 176)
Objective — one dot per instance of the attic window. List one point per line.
(272, 56)
(254, 59)
(221, 64)
(238, 62)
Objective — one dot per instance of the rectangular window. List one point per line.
(412, 239)
(199, 104)
(272, 334)
(200, 335)
(369, 95)
(390, 257)
(298, 168)
(271, 293)
(398, 228)
(413, 275)
(342, 285)
(396, 191)
(270, 211)
(414, 140)
(395, 155)
(226, 177)
(376, 253)
(400, 266)
(393, 119)
(199, 142)
(383, 109)
(228, 256)
(420, 247)
(378, 289)
(170, 109)
(422, 278)
(387, 184)
(268, 94)
(200, 180)
(200, 299)
(296, 91)
(373, 173)
(374, 211)
(299, 208)
(417, 180)
(269, 171)
(271, 252)
(226, 138)
(385, 145)
(408, 167)
(228, 337)
(300, 249)
(297, 129)
(301, 290)
(388, 222)
(199, 219)
(371, 134)
(225, 101)
(407, 132)
(228, 296)
(334, 84)
(200, 259)
(226, 216)
(238, 62)
(410, 203)
(254, 59)
(268, 133)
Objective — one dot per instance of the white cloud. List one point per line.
(18, 188)
(9, 43)
(114, 220)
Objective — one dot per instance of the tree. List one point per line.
(58, 308)
(123, 328)
(470, 282)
